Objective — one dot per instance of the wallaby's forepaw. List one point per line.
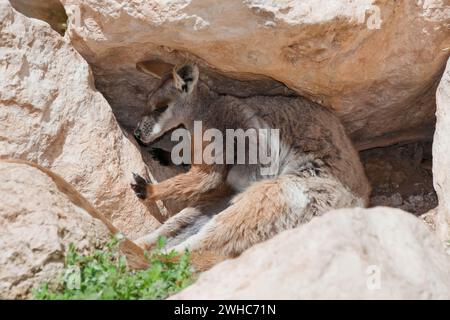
(139, 186)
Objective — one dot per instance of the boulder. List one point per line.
(52, 114)
(441, 157)
(37, 223)
(377, 63)
(378, 253)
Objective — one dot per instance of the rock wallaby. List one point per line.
(318, 167)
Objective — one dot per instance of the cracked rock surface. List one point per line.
(51, 114)
(37, 223)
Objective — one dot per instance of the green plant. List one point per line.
(104, 275)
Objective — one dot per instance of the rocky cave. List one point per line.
(398, 164)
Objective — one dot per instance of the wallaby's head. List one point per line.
(167, 106)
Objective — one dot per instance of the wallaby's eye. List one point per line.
(161, 109)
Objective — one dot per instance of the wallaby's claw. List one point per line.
(139, 186)
(138, 178)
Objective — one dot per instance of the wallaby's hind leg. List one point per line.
(169, 228)
(263, 210)
(184, 224)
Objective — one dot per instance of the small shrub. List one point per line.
(104, 275)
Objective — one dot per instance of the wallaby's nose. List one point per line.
(137, 134)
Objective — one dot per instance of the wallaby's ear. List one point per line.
(155, 68)
(186, 77)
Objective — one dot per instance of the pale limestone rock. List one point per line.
(37, 223)
(376, 63)
(379, 253)
(51, 114)
(441, 157)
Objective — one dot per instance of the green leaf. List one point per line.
(104, 274)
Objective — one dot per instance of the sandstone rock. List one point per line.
(441, 157)
(37, 224)
(378, 253)
(51, 114)
(376, 63)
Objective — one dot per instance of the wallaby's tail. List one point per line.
(263, 210)
(135, 254)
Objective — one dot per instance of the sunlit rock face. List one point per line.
(51, 114)
(441, 156)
